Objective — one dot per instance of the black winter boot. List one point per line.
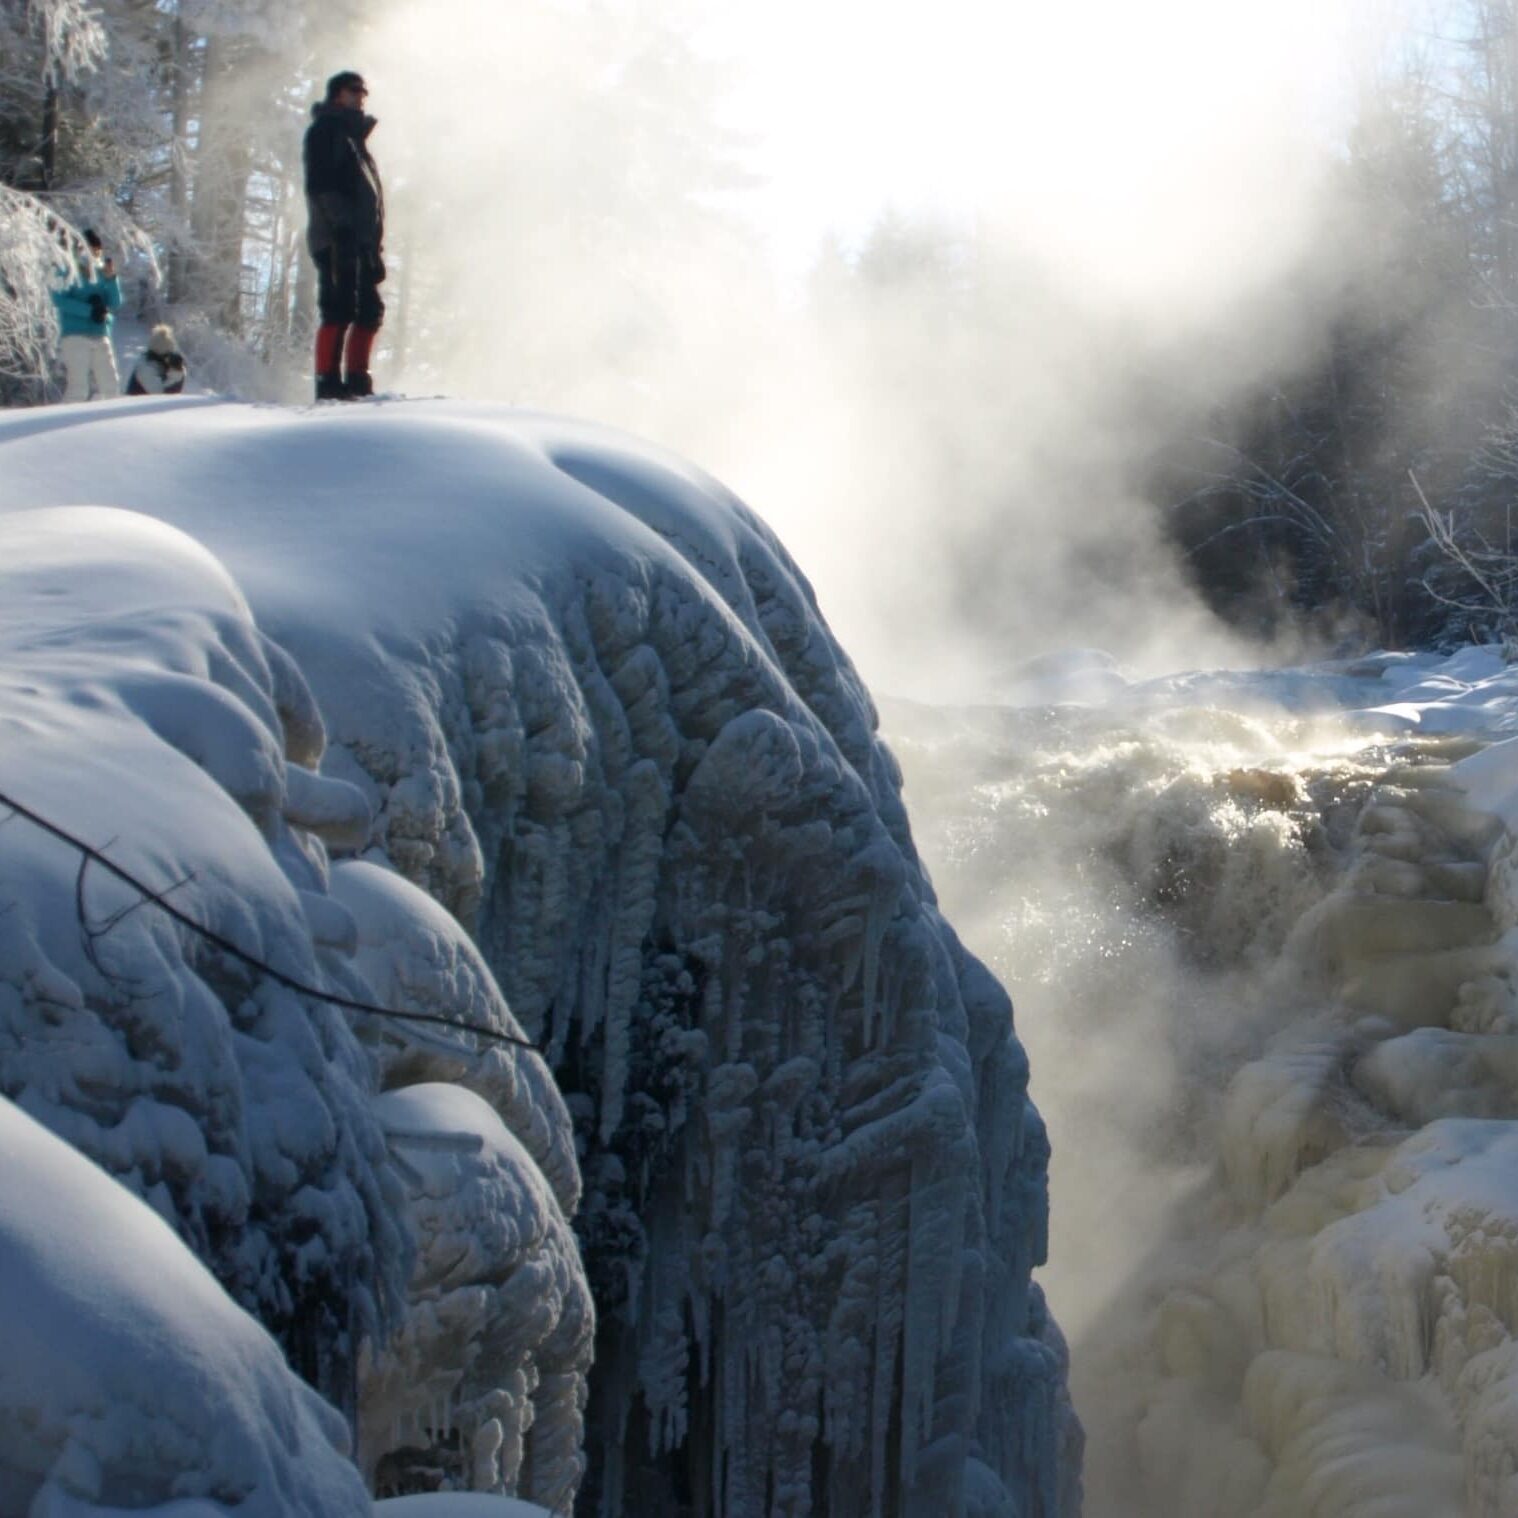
(359, 383)
(330, 387)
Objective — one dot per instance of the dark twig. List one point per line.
(91, 932)
(156, 898)
(92, 855)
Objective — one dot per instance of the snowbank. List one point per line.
(128, 1375)
(455, 1505)
(145, 713)
(598, 720)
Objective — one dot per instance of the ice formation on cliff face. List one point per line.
(143, 710)
(598, 719)
(1281, 909)
(482, 1385)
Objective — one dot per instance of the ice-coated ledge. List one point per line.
(144, 712)
(599, 719)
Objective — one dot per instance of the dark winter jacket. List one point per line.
(344, 201)
(158, 374)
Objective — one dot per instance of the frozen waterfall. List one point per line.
(1262, 942)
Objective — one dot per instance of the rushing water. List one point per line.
(1140, 877)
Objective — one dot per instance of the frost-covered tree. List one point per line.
(1298, 498)
(46, 46)
(29, 254)
(187, 146)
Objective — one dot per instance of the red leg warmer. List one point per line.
(360, 343)
(329, 347)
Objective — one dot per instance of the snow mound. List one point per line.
(145, 712)
(600, 721)
(498, 1339)
(456, 1505)
(128, 1374)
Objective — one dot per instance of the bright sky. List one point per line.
(1083, 122)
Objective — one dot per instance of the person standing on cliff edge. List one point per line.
(345, 233)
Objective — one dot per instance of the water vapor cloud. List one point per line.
(925, 286)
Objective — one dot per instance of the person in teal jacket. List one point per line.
(86, 309)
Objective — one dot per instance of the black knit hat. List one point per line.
(347, 80)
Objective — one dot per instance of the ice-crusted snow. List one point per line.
(128, 1377)
(598, 720)
(457, 1505)
(498, 1340)
(143, 710)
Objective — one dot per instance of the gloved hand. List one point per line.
(97, 309)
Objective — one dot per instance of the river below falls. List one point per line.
(1186, 892)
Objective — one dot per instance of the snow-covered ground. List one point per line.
(506, 721)
(1263, 932)
(129, 1377)
(457, 1505)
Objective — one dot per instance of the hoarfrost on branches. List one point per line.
(30, 262)
(73, 39)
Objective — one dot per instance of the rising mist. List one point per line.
(1089, 232)
(1060, 243)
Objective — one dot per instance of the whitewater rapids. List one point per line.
(1260, 944)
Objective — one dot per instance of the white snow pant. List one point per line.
(86, 359)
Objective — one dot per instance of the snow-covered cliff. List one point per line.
(598, 721)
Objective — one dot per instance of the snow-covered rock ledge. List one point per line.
(143, 711)
(597, 718)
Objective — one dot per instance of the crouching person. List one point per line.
(161, 370)
(86, 308)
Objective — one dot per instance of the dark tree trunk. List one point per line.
(179, 162)
(48, 157)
